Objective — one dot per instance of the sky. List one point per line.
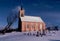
(48, 10)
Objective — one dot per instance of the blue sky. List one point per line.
(48, 10)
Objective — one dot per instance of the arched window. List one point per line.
(32, 27)
(27, 26)
(22, 15)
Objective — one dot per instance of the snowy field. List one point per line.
(18, 36)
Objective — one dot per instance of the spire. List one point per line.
(21, 5)
(21, 9)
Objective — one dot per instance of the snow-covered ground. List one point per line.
(18, 36)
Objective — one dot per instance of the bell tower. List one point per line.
(21, 14)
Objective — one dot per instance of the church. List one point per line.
(29, 23)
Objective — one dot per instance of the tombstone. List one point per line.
(44, 32)
(37, 34)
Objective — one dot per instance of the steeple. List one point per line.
(21, 9)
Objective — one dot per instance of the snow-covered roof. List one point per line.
(31, 19)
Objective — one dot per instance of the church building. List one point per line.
(29, 23)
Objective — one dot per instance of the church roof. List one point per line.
(31, 19)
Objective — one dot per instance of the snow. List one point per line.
(19, 36)
(31, 19)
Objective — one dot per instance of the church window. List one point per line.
(27, 25)
(33, 26)
(22, 15)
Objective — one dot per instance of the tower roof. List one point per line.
(21, 4)
(21, 7)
